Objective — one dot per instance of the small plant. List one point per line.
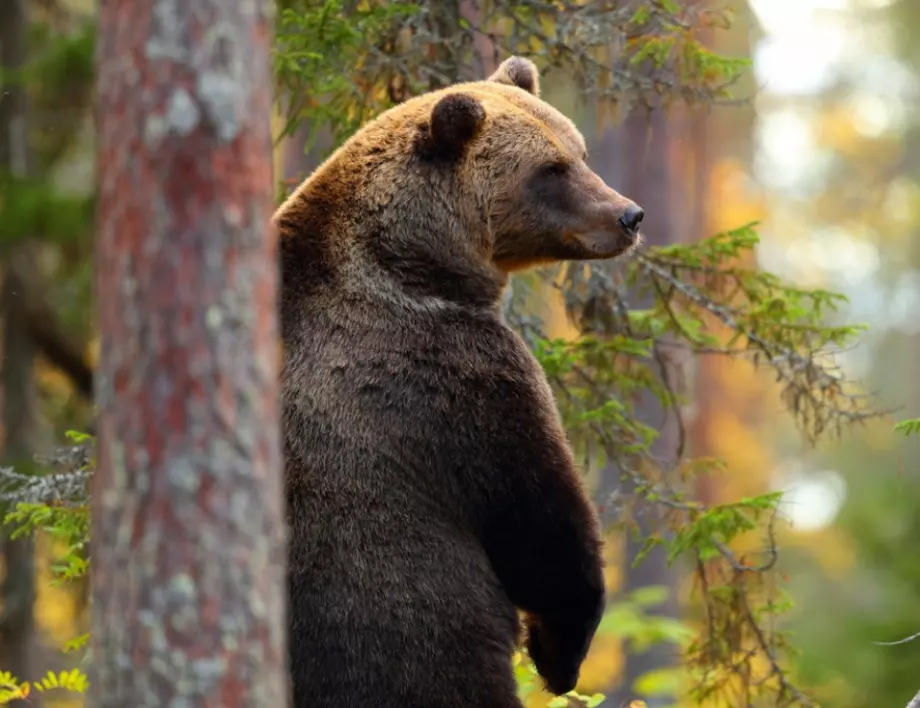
(54, 504)
(909, 427)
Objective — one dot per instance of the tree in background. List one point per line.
(19, 410)
(337, 63)
(46, 76)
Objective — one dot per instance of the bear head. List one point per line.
(457, 187)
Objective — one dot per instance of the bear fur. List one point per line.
(432, 495)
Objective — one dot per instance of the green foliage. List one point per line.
(628, 619)
(528, 681)
(313, 40)
(67, 524)
(58, 79)
(72, 526)
(711, 530)
(11, 689)
(339, 63)
(51, 511)
(909, 427)
(59, 76)
(72, 681)
(29, 209)
(769, 314)
(771, 322)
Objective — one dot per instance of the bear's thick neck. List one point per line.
(446, 273)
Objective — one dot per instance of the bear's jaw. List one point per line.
(604, 245)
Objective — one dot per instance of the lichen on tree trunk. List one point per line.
(188, 529)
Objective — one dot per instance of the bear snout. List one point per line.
(610, 228)
(631, 217)
(620, 217)
(608, 220)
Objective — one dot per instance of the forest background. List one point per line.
(773, 144)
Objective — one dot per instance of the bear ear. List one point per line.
(455, 121)
(520, 72)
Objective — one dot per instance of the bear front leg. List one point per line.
(548, 556)
(566, 602)
(543, 538)
(558, 649)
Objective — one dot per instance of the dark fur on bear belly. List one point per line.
(430, 494)
(393, 599)
(395, 613)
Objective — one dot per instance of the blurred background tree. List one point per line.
(45, 242)
(821, 154)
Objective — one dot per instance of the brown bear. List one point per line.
(431, 491)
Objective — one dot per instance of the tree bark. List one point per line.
(189, 590)
(20, 417)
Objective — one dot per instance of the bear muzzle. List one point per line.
(610, 228)
(603, 221)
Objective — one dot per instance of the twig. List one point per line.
(911, 638)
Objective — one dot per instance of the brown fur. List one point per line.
(431, 490)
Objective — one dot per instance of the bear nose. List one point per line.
(631, 217)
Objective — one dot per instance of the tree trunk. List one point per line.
(189, 589)
(20, 417)
(21, 426)
(645, 142)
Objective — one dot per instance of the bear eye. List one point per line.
(555, 169)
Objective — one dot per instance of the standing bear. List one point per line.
(432, 495)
